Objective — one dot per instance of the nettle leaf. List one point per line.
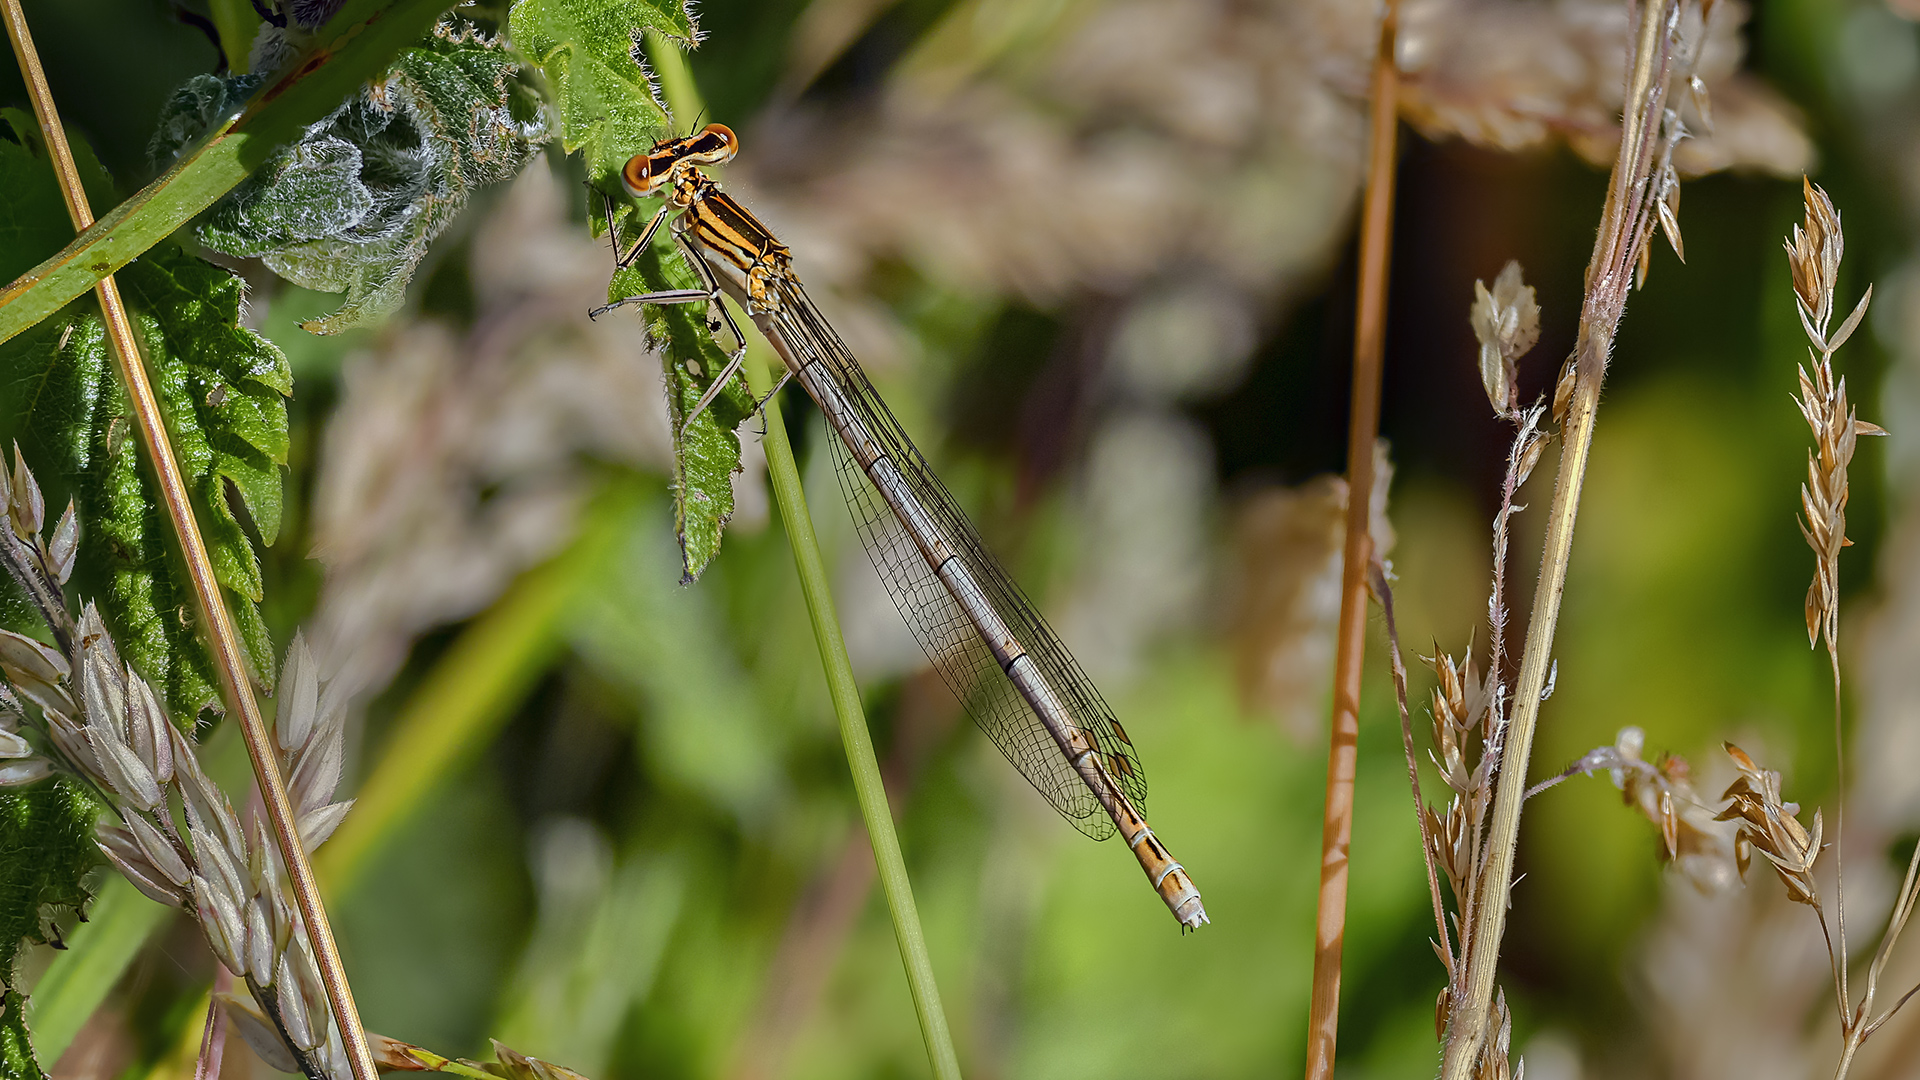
(222, 389)
(354, 204)
(16, 1048)
(609, 110)
(46, 847)
(608, 105)
(706, 453)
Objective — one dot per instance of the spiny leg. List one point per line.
(670, 296)
(739, 352)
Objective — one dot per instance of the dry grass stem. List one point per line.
(1814, 251)
(222, 639)
(1369, 347)
(1468, 709)
(1642, 192)
(1383, 592)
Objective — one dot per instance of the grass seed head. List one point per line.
(1771, 826)
(1506, 320)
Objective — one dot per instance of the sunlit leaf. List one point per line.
(609, 110)
(608, 106)
(222, 389)
(353, 206)
(706, 453)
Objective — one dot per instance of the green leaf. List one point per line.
(46, 846)
(358, 44)
(589, 50)
(610, 110)
(16, 1048)
(223, 391)
(706, 453)
(353, 205)
(59, 399)
(34, 220)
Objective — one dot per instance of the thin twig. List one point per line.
(1626, 225)
(1376, 235)
(221, 638)
(1840, 823)
(1384, 592)
(1896, 924)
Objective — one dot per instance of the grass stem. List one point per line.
(223, 641)
(845, 692)
(1625, 228)
(1343, 740)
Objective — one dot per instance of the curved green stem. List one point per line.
(845, 693)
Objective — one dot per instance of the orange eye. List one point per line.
(638, 176)
(716, 144)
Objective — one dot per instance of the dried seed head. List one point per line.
(1813, 251)
(1506, 320)
(1698, 844)
(1770, 826)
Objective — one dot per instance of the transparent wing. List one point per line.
(949, 638)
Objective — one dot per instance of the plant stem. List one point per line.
(1343, 740)
(845, 692)
(1625, 226)
(1385, 593)
(357, 45)
(222, 640)
(236, 22)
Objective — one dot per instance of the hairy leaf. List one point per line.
(46, 845)
(707, 452)
(608, 106)
(222, 390)
(16, 1049)
(609, 110)
(354, 204)
(357, 45)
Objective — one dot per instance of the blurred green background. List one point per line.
(636, 852)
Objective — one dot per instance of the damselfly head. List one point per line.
(645, 174)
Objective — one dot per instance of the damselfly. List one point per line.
(985, 638)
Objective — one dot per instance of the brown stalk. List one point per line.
(1376, 235)
(1625, 228)
(222, 639)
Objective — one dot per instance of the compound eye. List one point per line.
(638, 176)
(718, 144)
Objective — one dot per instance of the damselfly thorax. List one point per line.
(989, 643)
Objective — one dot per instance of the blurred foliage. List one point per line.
(614, 883)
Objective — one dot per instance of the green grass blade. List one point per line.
(98, 952)
(359, 44)
(858, 740)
